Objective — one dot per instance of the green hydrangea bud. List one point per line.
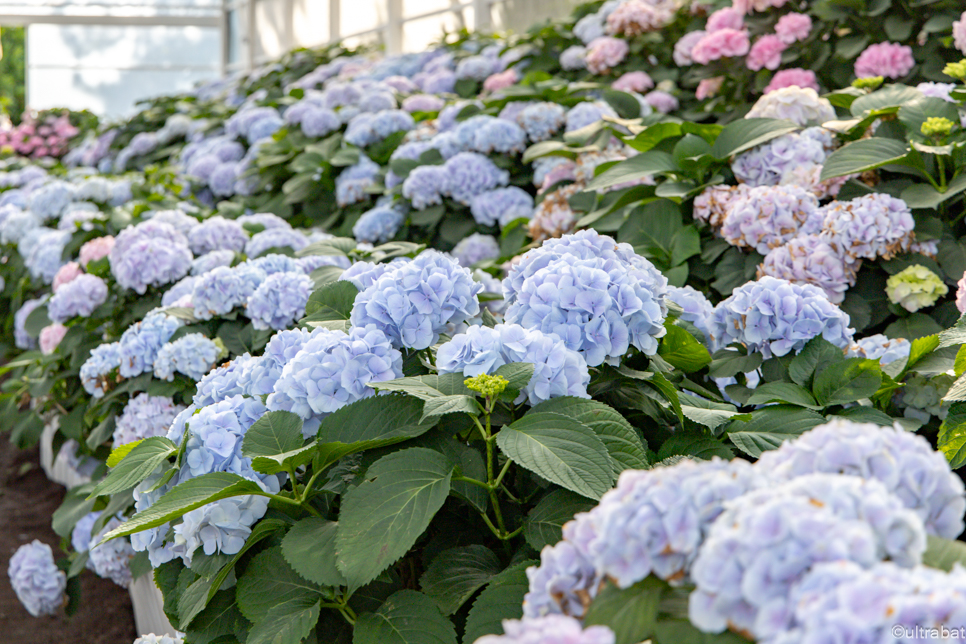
(222, 349)
(915, 287)
(489, 386)
(937, 126)
(871, 83)
(956, 70)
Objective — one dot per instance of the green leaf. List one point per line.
(630, 612)
(890, 96)
(952, 436)
(744, 134)
(76, 506)
(622, 441)
(864, 154)
(119, 452)
(544, 525)
(783, 392)
(635, 168)
(914, 113)
(847, 381)
(184, 498)
(954, 335)
(274, 433)
(560, 449)
(518, 375)
(654, 134)
(860, 414)
(336, 246)
(372, 422)
(501, 599)
(923, 195)
(683, 632)
(457, 573)
(708, 413)
(381, 519)
(770, 427)
(332, 302)
(288, 622)
(435, 407)
(407, 617)
(428, 387)
(269, 581)
(814, 357)
(728, 362)
(917, 325)
(309, 548)
(943, 553)
(139, 463)
(682, 350)
(921, 347)
(695, 445)
(36, 321)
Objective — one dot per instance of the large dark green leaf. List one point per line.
(783, 392)
(890, 96)
(943, 553)
(952, 435)
(275, 443)
(814, 357)
(544, 525)
(455, 574)
(771, 426)
(862, 155)
(381, 519)
(633, 169)
(744, 134)
(138, 464)
(288, 622)
(847, 382)
(309, 547)
(269, 581)
(428, 387)
(332, 302)
(682, 350)
(501, 599)
(630, 612)
(407, 617)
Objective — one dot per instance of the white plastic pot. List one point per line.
(148, 608)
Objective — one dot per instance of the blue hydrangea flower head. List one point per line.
(149, 254)
(903, 462)
(502, 206)
(36, 580)
(78, 297)
(221, 383)
(112, 560)
(881, 348)
(476, 68)
(415, 301)
(102, 361)
(44, 258)
(176, 218)
(352, 184)
(425, 186)
(217, 233)
(192, 354)
(542, 120)
(280, 300)
(599, 296)
(270, 264)
(564, 583)
(369, 128)
(139, 345)
(22, 339)
(145, 416)
(275, 238)
(50, 199)
(364, 274)
(261, 374)
(468, 174)
(557, 629)
(775, 317)
(264, 219)
(378, 225)
(476, 248)
(867, 227)
(17, 224)
(697, 310)
(80, 536)
(583, 114)
(319, 121)
(210, 261)
(219, 291)
(496, 135)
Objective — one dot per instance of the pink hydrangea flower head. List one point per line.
(750, 6)
(635, 17)
(961, 295)
(683, 47)
(795, 77)
(766, 53)
(500, 80)
(50, 337)
(724, 43)
(96, 249)
(793, 27)
(886, 59)
(66, 274)
(633, 82)
(604, 53)
(959, 33)
(661, 101)
(708, 87)
(563, 172)
(727, 18)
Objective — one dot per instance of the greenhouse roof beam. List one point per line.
(11, 19)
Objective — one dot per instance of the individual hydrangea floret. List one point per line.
(266, 240)
(192, 354)
(145, 416)
(881, 348)
(801, 105)
(599, 296)
(867, 227)
(139, 345)
(555, 629)
(378, 225)
(775, 317)
(476, 248)
(102, 361)
(79, 297)
(280, 300)
(149, 254)
(915, 287)
(558, 371)
(767, 540)
(810, 259)
(36, 580)
(415, 301)
(217, 233)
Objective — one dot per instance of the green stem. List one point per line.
(499, 479)
(942, 172)
(466, 479)
(295, 483)
(490, 525)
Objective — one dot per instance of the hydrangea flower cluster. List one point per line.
(221, 289)
(217, 233)
(794, 77)
(145, 416)
(903, 462)
(714, 202)
(768, 216)
(139, 346)
(413, 302)
(502, 206)
(801, 105)
(915, 287)
(696, 309)
(554, 217)
(598, 296)
(193, 355)
(79, 297)
(102, 361)
(42, 253)
(369, 128)
(151, 638)
(352, 184)
(262, 242)
(280, 300)
(36, 580)
(886, 59)
(558, 371)
(867, 227)
(881, 348)
(258, 376)
(476, 248)
(774, 317)
(65, 274)
(795, 159)
(211, 261)
(50, 337)
(922, 397)
(469, 174)
(379, 225)
(112, 560)
(767, 540)
(811, 259)
(149, 254)
(542, 120)
(552, 629)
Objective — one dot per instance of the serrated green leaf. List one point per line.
(427, 387)
(847, 382)
(138, 464)
(560, 449)
(518, 374)
(407, 617)
(381, 518)
(783, 392)
(744, 134)
(630, 612)
(682, 350)
(954, 335)
(333, 302)
(771, 426)
(943, 553)
(288, 622)
(695, 445)
(455, 574)
(637, 167)
(861, 414)
(269, 581)
(544, 524)
(309, 547)
(435, 407)
(816, 355)
(119, 452)
(708, 413)
(862, 155)
(728, 362)
(501, 599)
(276, 432)
(952, 435)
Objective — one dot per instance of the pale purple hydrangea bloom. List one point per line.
(768, 216)
(487, 134)
(49, 200)
(696, 309)
(469, 174)
(476, 248)
(264, 241)
(221, 289)
(775, 317)
(259, 375)
(364, 274)
(502, 206)
(425, 186)
(44, 258)
(102, 361)
(563, 584)
(476, 68)
(149, 254)
(219, 384)
(867, 227)
(353, 182)
(584, 114)
(558, 371)
(145, 416)
(600, 297)
(775, 162)
(80, 536)
(193, 355)
(881, 348)
(423, 103)
(903, 462)
(280, 300)
(310, 263)
(217, 233)
(415, 301)
(683, 47)
(209, 262)
(767, 540)
(112, 560)
(175, 218)
(36, 580)
(542, 120)
(378, 225)
(268, 264)
(573, 58)
(78, 297)
(661, 101)
(811, 259)
(552, 629)
(369, 128)
(589, 28)
(264, 219)
(139, 345)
